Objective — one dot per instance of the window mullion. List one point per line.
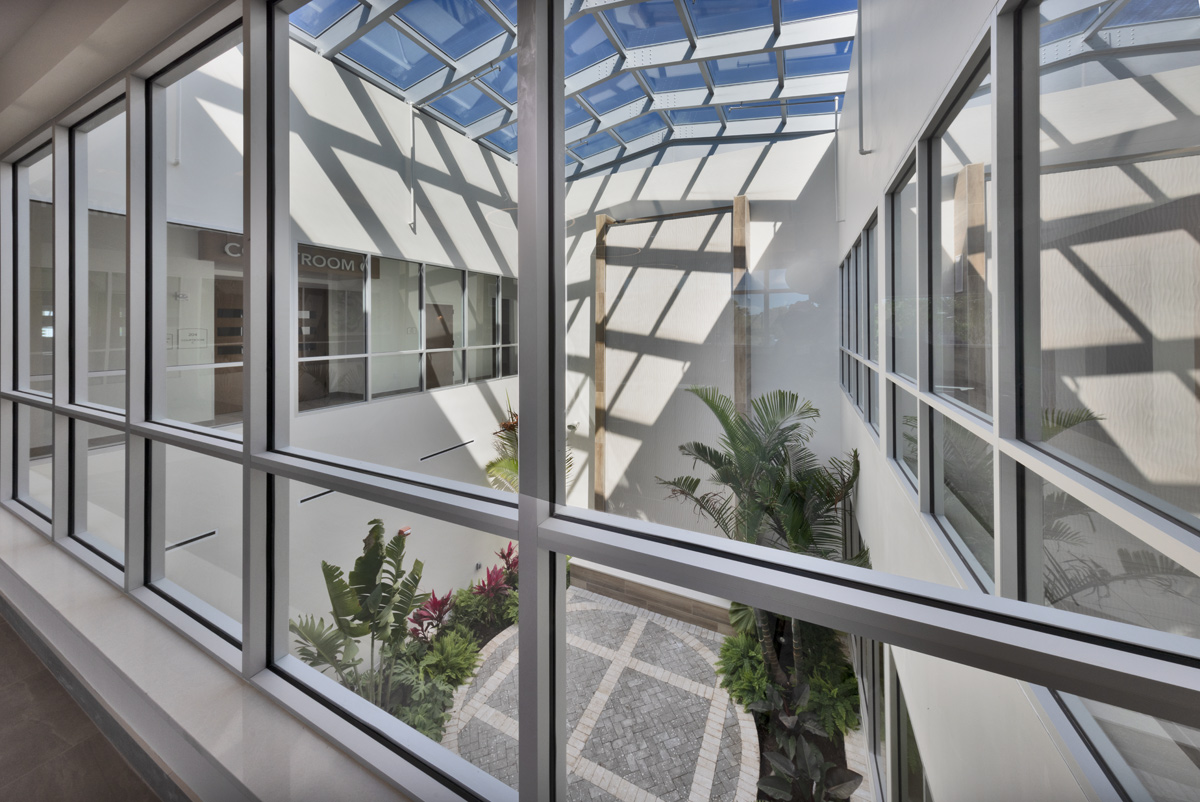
(61, 372)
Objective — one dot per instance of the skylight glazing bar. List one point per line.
(355, 25)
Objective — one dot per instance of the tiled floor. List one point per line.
(646, 717)
(49, 748)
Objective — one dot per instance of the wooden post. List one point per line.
(741, 307)
(603, 222)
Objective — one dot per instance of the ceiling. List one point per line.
(640, 74)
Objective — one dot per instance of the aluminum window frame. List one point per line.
(1126, 665)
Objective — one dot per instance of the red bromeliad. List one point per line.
(493, 585)
(427, 620)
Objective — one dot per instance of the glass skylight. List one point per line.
(635, 129)
(826, 104)
(466, 105)
(574, 113)
(817, 59)
(503, 79)
(707, 114)
(585, 44)
(393, 56)
(1069, 25)
(650, 23)
(508, 8)
(674, 77)
(1142, 11)
(596, 143)
(614, 93)
(807, 9)
(743, 69)
(316, 17)
(456, 26)
(505, 138)
(428, 39)
(711, 17)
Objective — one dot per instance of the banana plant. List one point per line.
(374, 603)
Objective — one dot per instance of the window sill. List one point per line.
(215, 734)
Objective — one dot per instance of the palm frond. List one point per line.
(344, 603)
(1056, 421)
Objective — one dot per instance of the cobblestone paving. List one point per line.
(646, 717)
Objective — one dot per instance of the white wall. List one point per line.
(790, 188)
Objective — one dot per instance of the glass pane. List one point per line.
(873, 409)
(1092, 566)
(318, 15)
(962, 320)
(1137, 12)
(871, 294)
(817, 59)
(35, 458)
(203, 291)
(673, 77)
(443, 307)
(508, 361)
(392, 56)
(331, 298)
(825, 104)
(1120, 270)
(805, 9)
(394, 375)
(466, 105)
(614, 93)
(967, 491)
(646, 124)
(503, 79)
(443, 369)
(481, 364)
(106, 263)
(754, 111)
(483, 309)
(38, 374)
(456, 26)
(585, 44)
(508, 311)
(1063, 27)
(648, 23)
(1152, 758)
(722, 16)
(395, 305)
(332, 382)
(913, 785)
(203, 512)
(102, 524)
(694, 116)
(597, 143)
(574, 113)
(906, 431)
(743, 69)
(904, 301)
(444, 663)
(358, 221)
(660, 684)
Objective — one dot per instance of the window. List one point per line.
(1117, 270)
(963, 288)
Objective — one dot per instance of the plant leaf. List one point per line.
(775, 787)
(344, 602)
(781, 764)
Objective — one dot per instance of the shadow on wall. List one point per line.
(670, 306)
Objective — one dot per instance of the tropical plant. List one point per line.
(502, 471)
(833, 697)
(772, 490)
(406, 670)
(741, 668)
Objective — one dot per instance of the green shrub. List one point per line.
(453, 656)
(833, 698)
(742, 670)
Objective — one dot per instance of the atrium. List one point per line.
(608, 399)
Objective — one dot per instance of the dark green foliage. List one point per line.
(482, 615)
(742, 670)
(833, 698)
(454, 656)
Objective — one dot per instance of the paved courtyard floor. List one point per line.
(646, 717)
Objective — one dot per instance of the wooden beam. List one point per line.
(741, 307)
(603, 222)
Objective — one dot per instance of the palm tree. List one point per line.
(772, 489)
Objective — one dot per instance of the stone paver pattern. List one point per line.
(647, 719)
